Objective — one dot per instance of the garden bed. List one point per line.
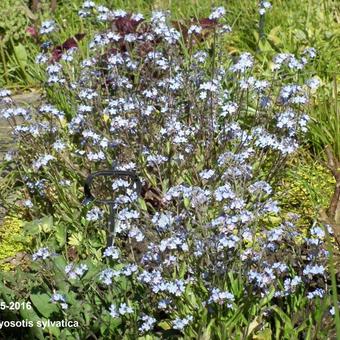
(173, 180)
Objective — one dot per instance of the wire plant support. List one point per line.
(89, 197)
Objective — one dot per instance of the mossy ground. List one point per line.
(12, 242)
(306, 189)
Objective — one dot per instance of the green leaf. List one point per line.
(265, 46)
(142, 204)
(53, 330)
(44, 224)
(30, 315)
(31, 228)
(273, 35)
(21, 54)
(164, 325)
(268, 298)
(43, 304)
(300, 35)
(288, 325)
(75, 239)
(86, 312)
(266, 334)
(207, 331)
(109, 323)
(28, 12)
(186, 202)
(91, 272)
(59, 274)
(60, 234)
(253, 325)
(59, 262)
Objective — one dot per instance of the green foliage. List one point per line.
(13, 37)
(88, 305)
(15, 17)
(325, 125)
(306, 188)
(12, 241)
(290, 26)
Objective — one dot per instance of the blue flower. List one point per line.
(41, 254)
(179, 323)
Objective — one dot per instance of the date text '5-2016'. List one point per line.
(15, 305)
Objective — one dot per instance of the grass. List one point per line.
(289, 26)
(325, 126)
(306, 187)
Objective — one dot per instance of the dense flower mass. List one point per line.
(206, 133)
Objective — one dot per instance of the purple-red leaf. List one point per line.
(65, 46)
(126, 25)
